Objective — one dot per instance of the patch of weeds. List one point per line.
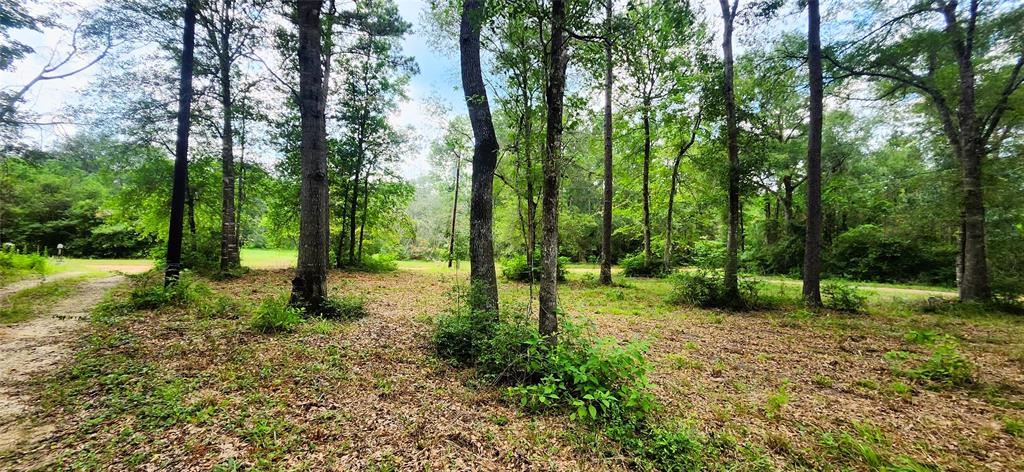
(26, 303)
(275, 315)
(867, 446)
(668, 447)
(378, 263)
(690, 346)
(823, 381)
(682, 361)
(323, 327)
(777, 400)
(867, 384)
(842, 296)
(349, 307)
(925, 336)
(1013, 426)
(945, 367)
(901, 389)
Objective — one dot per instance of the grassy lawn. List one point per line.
(193, 386)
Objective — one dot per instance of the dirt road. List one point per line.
(36, 346)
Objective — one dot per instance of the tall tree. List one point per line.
(732, 144)
(557, 60)
(231, 30)
(916, 51)
(812, 241)
(485, 159)
(606, 204)
(683, 149)
(174, 235)
(308, 290)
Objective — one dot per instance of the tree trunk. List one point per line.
(228, 243)
(354, 207)
(366, 206)
(647, 183)
(732, 242)
(667, 259)
(787, 200)
(455, 207)
(554, 93)
(174, 234)
(606, 215)
(308, 289)
(485, 157)
(812, 240)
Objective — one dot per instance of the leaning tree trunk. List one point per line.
(812, 240)
(606, 215)
(485, 158)
(648, 254)
(308, 291)
(174, 234)
(455, 208)
(667, 258)
(229, 258)
(732, 242)
(554, 93)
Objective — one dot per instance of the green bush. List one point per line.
(152, 294)
(842, 296)
(868, 253)
(637, 265)
(379, 263)
(12, 261)
(670, 448)
(591, 378)
(275, 315)
(706, 289)
(945, 367)
(708, 254)
(518, 269)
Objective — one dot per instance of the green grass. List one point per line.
(269, 258)
(28, 303)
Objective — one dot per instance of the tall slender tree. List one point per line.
(812, 241)
(732, 144)
(308, 290)
(606, 204)
(485, 158)
(554, 93)
(174, 234)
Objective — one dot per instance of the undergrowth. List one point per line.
(706, 289)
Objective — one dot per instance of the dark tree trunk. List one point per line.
(174, 234)
(648, 255)
(229, 258)
(485, 158)
(606, 214)
(812, 240)
(366, 207)
(554, 93)
(308, 289)
(732, 242)
(455, 208)
(787, 200)
(354, 207)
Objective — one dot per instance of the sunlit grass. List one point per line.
(269, 258)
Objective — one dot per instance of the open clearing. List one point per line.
(180, 389)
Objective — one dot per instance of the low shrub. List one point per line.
(518, 268)
(151, 293)
(637, 265)
(945, 367)
(588, 377)
(13, 262)
(842, 296)
(276, 315)
(706, 289)
(348, 307)
(708, 254)
(379, 263)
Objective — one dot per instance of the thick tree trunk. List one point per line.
(174, 234)
(455, 208)
(732, 241)
(229, 258)
(485, 157)
(647, 183)
(812, 240)
(554, 93)
(606, 214)
(308, 289)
